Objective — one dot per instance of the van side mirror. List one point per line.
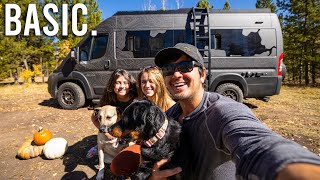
(74, 54)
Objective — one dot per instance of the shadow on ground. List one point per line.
(50, 103)
(251, 106)
(76, 155)
(76, 175)
(54, 103)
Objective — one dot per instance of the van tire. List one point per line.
(230, 90)
(70, 96)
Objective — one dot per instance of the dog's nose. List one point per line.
(103, 129)
(122, 141)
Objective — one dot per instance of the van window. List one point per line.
(99, 46)
(144, 44)
(84, 50)
(243, 42)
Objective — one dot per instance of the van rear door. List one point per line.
(246, 44)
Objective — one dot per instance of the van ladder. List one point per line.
(202, 35)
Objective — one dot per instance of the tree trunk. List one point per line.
(47, 69)
(41, 69)
(306, 73)
(313, 74)
(300, 68)
(24, 59)
(293, 71)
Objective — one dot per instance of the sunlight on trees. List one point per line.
(21, 54)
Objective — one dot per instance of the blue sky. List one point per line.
(109, 7)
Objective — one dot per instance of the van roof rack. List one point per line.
(187, 10)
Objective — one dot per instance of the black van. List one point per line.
(242, 49)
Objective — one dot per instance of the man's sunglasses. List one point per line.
(183, 67)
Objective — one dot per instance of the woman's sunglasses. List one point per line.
(183, 67)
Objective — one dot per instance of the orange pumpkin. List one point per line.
(42, 136)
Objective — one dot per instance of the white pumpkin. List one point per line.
(55, 148)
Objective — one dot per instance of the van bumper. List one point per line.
(279, 84)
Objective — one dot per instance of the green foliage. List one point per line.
(95, 14)
(226, 5)
(301, 39)
(204, 4)
(266, 4)
(26, 51)
(93, 18)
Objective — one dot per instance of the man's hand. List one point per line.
(301, 171)
(163, 174)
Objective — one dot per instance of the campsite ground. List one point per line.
(295, 114)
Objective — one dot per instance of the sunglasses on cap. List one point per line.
(183, 67)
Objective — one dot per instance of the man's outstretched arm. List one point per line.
(299, 171)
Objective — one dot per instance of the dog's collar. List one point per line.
(161, 132)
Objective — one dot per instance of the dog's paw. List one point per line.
(100, 174)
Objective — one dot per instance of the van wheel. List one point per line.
(70, 96)
(230, 90)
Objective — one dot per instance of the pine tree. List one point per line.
(204, 4)
(28, 51)
(226, 5)
(301, 39)
(94, 15)
(266, 4)
(93, 18)
(21, 50)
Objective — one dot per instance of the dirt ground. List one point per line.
(295, 114)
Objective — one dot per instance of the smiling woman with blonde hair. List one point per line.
(151, 86)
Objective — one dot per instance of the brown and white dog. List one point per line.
(108, 146)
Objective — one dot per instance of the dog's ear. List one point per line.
(96, 110)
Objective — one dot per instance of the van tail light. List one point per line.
(279, 64)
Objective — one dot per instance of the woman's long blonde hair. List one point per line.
(162, 96)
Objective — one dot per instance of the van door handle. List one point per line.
(107, 64)
(258, 74)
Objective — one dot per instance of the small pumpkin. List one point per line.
(42, 136)
(27, 151)
(55, 148)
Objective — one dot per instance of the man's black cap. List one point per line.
(166, 55)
